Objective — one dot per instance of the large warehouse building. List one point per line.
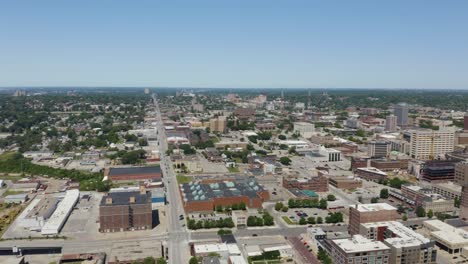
(205, 196)
(61, 214)
(133, 173)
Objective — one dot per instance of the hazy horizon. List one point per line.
(243, 44)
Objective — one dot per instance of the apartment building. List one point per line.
(430, 144)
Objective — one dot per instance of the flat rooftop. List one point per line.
(196, 191)
(134, 170)
(405, 237)
(359, 243)
(446, 233)
(123, 198)
(375, 207)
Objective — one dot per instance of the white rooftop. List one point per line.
(374, 207)
(448, 234)
(210, 248)
(373, 170)
(359, 243)
(405, 237)
(61, 213)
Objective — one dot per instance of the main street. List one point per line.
(178, 236)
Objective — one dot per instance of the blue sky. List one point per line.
(310, 44)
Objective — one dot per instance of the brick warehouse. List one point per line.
(133, 173)
(126, 211)
(316, 184)
(205, 196)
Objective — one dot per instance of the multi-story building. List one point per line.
(359, 249)
(447, 238)
(379, 149)
(371, 174)
(304, 129)
(358, 163)
(391, 123)
(406, 246)
(218, 124)
(316, 184)
(401, 112)
(205, 196)
(389, 165)
(344, 182)
(366, 213)
(447, 189)
(461, 173)
(431, 144)
(126, 211)
(436, 171)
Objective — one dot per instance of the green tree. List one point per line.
(384, 193)
(278, 206)
(374, 200)
(456, 202)
(420, 212)
(323, 204)
(193, 260)
(285, 209)
(430, 214)
(285, 161)
(404, 217)
(331, 198)
(302, 221)
(319, 220)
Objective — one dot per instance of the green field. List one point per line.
(183, 179)
(288, 221)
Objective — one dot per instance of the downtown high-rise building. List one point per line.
(401, 112)
(431, 144)
(391, 123)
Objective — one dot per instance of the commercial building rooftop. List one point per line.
(374, 207)
(196, 191)
(134, 170)
(403, 236)
(448, 234)
(359, 243)
(123, 198)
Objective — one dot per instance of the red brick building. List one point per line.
(316, 184)
(205, 196)
(367, 213)
(133, 173)
(126, 211)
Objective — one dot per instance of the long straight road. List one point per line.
(178, 235)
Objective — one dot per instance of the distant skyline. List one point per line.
(235, 44)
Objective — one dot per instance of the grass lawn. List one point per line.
(11, 177)
(183, 179)
(8, 192)
(288, 221)
(233, 169)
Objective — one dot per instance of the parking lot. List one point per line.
(295, 214)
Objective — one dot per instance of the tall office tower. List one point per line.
(366, 213)
(401, 112)
(430, 144)
(391, 123)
